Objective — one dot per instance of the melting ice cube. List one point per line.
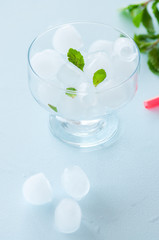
(75, 182)
(49, 93)
(96, 61)
(67, 216)
(47, 63)
(101, 45)
(37, 189)
(115, 97)
(122, 70)
(65, 38)
(70, 76)
(125, 49)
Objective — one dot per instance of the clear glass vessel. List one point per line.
(84, 116)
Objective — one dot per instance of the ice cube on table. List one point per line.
(125, 49)
(37, 189)
(96, 61)
(75, 182)
(101, 45)
(46, 63)
(67, 216)
(67, 37)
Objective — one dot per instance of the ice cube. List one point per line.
(37, 189)
(101, 45)
(122, 70)
(79, 106)
(75, 182)
(70, 76)
(68, 216)
(47, 63)
(121, 87)
(67, 37)
(84, 88)
(125, 49)
(116, 97)
(70, 107)
(49, 94)
(96, 61)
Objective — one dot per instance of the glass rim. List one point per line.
(76, 23)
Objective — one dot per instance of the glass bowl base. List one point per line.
(85, 133)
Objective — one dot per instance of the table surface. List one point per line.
(123, 202)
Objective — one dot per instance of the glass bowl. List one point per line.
(82, 114)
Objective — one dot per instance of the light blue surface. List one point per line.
(123, 202)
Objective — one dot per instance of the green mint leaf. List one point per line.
(153, 60)
(156, 10)
(146, 42)
(71, 92)
(151, 67)
(99, 77)
(135, 12)
(53, 107)
(147, 21)
(76, 58)
(127, 10)
(143, 42)
(147, 37)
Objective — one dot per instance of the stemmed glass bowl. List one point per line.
(82, 114)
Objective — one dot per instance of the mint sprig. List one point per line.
(99, 77)
(76, 58)
(53, 107)
(71, 92)
(140, 14)
(147, 43)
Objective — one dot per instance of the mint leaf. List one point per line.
(134, 11)
(127, 10)
(147, 37)
(155, 9)
(76, 58)
(71, 92)
(53, 107)
(147, 21)
(153, 60)
(137, 14)
(140, 14)
(151, 67)
(145, 42)
(99, 77)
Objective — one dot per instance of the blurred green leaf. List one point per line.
(53, 107)
(155, 9)
(142, 43)
(71, 92)
(147, 21)
(137, 14)
(153, 60)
